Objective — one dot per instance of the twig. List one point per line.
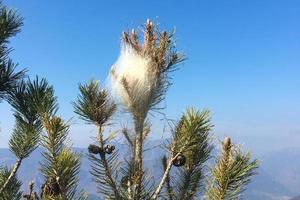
(168, 169)
(164, 178)
(12, 174)
(168, 180)
(106, 166)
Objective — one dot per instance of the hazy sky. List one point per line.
(243, 60)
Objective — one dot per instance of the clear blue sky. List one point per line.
(243, 59)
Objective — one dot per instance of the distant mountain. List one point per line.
(264, 187)
(278, 177)
(296, 198)
(284, 166)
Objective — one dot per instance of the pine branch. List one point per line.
(69, 167)
(231, 173)
(165, 176)
(127, 171)
(9, 79)
(94, 106)
(175, 154)
(61, 165)
(129, 138)
(195, 124)
(168, 179)
(190, 140)
(12, 189)
(11, 175)
(102, 169)
(190, 183)
(24, 139)
(10, 24)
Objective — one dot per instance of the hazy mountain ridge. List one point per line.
(270, 183)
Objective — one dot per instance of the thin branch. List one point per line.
(12, 174)
(168, 179)
(127, 137)
(109, 176)
(165, 176)
(168, 169)
(108, 172)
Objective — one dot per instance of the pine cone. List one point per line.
(179, 161)
(94, 149)
(109, 149)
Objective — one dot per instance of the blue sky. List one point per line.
(243, 60)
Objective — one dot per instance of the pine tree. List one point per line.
(61, 165)
(35, 110)
(25, 133)
(139, 80)
(36, 122)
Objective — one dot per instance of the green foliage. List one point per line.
(44, 100)
(53, 139)
(68, 164)
(12, 190)
(24, 139)
(61, 166)
(190, 147)
(192, 135)
(192, 138)
(8, 77)
(104, 177)
(35, 109)
(127, 187)
(93, 104)
(10, 23)
(232, 171)
(27, 99)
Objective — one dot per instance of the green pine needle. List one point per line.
(232, 172)
(12, 190)
(93, 104)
